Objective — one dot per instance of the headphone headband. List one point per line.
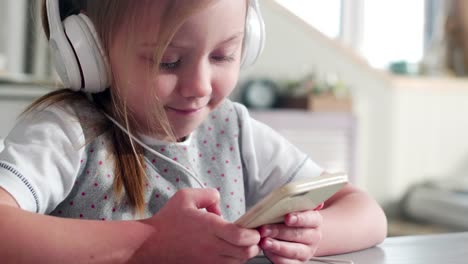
(53, 14)
(254, 39)
(60, 49)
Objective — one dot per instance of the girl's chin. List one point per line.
(182, 135)
(178, 134)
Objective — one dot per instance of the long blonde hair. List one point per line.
(108, 16)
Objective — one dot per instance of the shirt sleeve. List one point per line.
(41, 158)
(269, 159)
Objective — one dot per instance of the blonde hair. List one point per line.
(108, 17)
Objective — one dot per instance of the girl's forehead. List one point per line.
(216, 16)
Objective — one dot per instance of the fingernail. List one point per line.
(293, 219)
(320, 206)
(268, 243)
(266, 232)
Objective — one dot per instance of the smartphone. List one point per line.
(292, 197)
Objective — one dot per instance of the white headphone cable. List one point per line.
(328, 260)
(143, 145)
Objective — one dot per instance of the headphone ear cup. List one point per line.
(90, 56)
(65, 62)
(254, 38)
(103, 62)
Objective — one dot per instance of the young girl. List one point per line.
(143, 159)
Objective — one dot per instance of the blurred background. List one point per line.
(376, 88)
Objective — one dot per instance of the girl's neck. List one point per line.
(154, 140)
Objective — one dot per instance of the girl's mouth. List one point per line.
(186, 111)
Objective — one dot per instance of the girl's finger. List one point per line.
(286, 250)
(308, 218)
(308, 236)
(236, 235)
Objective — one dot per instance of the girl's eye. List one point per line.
(223, 58)
(169, 65)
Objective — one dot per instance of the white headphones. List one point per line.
(254, 38)
(82, 64)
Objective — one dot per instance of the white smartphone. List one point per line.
(293, 197)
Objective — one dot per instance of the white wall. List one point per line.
(408, 129)
(430, 133)
(14, 98)
(3, 13)
(14, 33)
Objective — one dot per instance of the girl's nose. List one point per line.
(196, 82)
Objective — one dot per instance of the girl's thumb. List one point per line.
(205, 199)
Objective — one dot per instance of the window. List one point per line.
(393, 31)
(382, 31)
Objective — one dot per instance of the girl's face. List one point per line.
(199, 69)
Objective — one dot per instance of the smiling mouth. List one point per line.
(184, 111)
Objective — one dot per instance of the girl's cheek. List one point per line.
(230, 83)
(163, 86)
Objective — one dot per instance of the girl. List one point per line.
(145, 125)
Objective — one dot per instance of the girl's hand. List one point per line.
(185, 233)
(295, 241)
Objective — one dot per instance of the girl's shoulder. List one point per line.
(74, 112)
(65, 104)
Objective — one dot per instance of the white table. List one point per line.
(451, 248)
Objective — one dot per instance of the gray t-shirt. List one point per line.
(50, 166)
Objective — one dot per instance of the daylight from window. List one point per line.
(393, 31)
